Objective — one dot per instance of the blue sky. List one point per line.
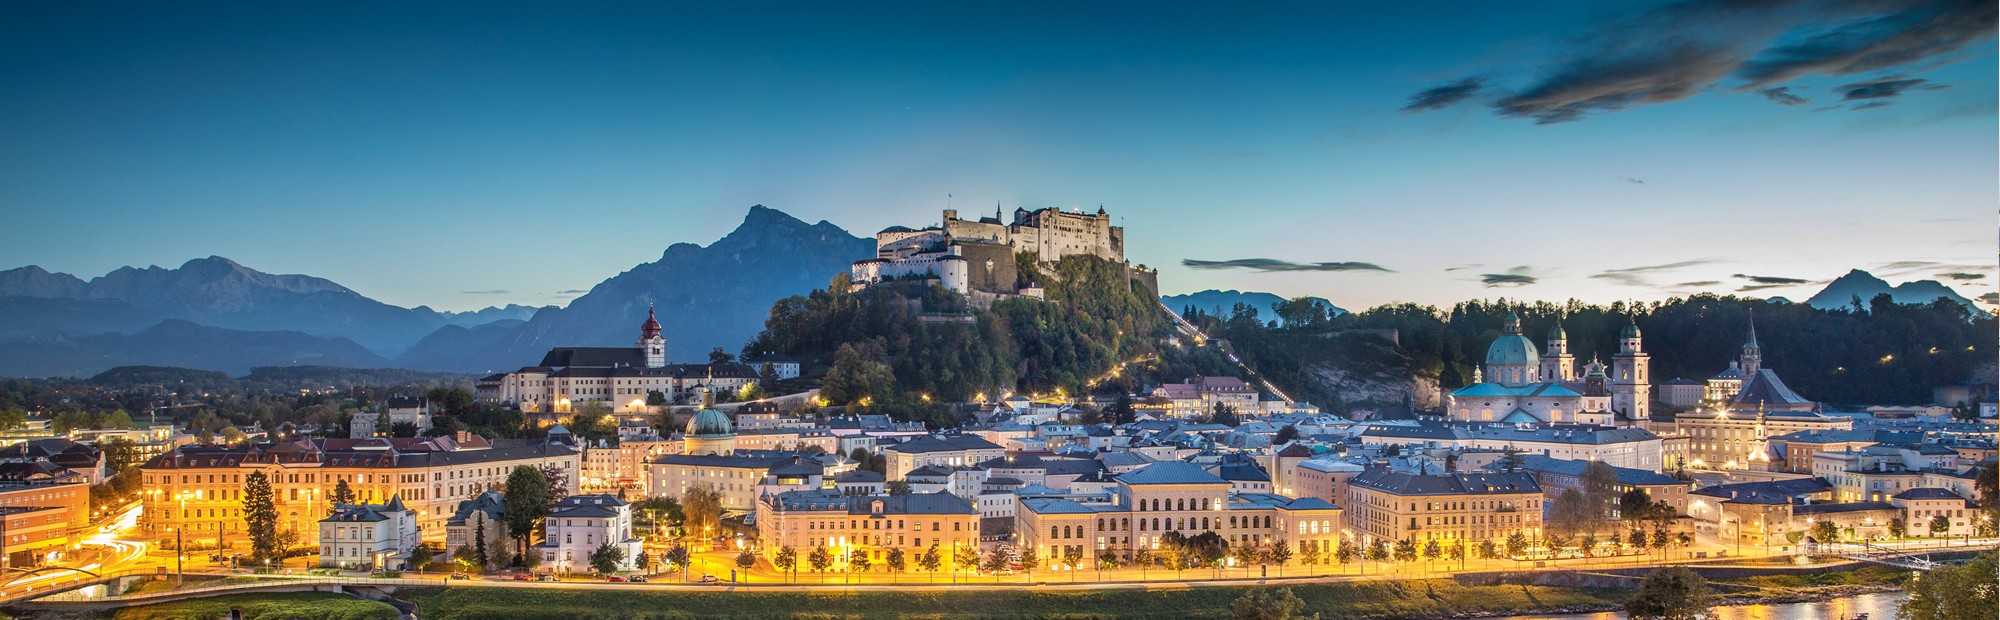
(435, 154)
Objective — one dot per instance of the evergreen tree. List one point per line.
(260, 516)
(479, 540)
(343, 494)
(527, 499)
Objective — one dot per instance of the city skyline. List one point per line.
(1544, 153)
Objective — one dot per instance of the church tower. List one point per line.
(1753, 355)
(1558, 365)
(651, 342)
(1631, 388)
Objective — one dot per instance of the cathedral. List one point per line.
(1518, 386)
(616, 379)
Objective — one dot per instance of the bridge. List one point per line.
(1875, 554)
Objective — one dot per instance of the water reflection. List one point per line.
(1880, 606)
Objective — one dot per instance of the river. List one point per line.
(1878, 606)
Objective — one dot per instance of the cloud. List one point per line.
(1693, 47)
(1758, 287)
(1877, 89)
(1872, 104)
(1991, 298)
(1958, 275)
(1518, 276)
(574, 291)
(1636, 276)
(1699, 283)
(1782, 95)
(497, 291)
(1772, 280)
(1272, 264)
(1463, 267)
(1441, 97)
(1632, 180)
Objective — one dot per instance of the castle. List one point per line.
(1520, 387)
(968, 256)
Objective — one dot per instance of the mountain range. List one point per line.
(1858, 284)
(213, 313)
(1221, 303)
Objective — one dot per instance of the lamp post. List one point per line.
(180, 547)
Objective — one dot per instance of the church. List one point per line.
(1516, 385)
(619, 379)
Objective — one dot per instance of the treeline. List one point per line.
(1882, 352)
(877, 347)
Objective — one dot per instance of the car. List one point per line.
(523, 577)
(545, 578)
(709, 579)
(459, 576)
(636, 579)
(616, 579)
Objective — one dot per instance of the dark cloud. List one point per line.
(1991, 298)
(1518, 276)
(1873, 104)
(1957, 275)
(1463, 267)
(1440, 97)
(497, 291)
(1758, 287)
(1272, 264)
(1636, 276)
(1697, 46)
(1908, 32)
(1771, 280)
(1783, 95)
(572, 292)
(1700, 283)
(1632, 180)
(1877, 89)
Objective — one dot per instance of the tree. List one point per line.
(260, 516)
(1600, 486)
(1072, 557)
(606, 558)
(1940, 525)
(787, 560)
(1379, 551)
(421, 556)
(1825, 532)
(898, 487)
(1516, 544)
(744, 560)
(1144, 558)
(286, 539)
(479, 539)
(12, 418)
(1636, 540)
(1555, 541)
(529, 559)
(1406, 550)
(1571, 512)
(701, 510)
(1953, 592)
(643, 562)
(1245, 555)
(1107, 559)
(930, 561)
(558, 482)
(1225, 415)
(1432, 550)
(1267, 604)
(1898, 528)
(526, 499)
(343, 494)
(1511, 460)
(1286, 435)
(1485, 550)
(1672, 593)
(1634, 506)
(1281, 554)
(679, 556)
(1029, 560)
(819, 560)
(1455, 552)
(963, 558)
(767, 377)
(718, 357)
(897, 562)
(1588, 544)
(1121, 411)
(994, 563)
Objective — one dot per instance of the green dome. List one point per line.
(1512, 349)
(1631, 331)
(1557, 333)
(709, 422)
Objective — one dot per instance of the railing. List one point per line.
(73, 593)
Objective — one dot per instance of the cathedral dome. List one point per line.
(710, 422)
(1631, 331)
(1557, 333)
(1512, 349)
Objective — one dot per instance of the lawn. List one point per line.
(1408, 599)
(287, 606)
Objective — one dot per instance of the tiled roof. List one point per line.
(1397, 483)
(1170, 472)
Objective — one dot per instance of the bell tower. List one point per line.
(1631, 387)
(651, 342)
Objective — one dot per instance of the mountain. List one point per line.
(446, 348)
(178, 343)
(490, 314)
(211, 291)
(1858, 284)
(706, 297)
(1220, 302)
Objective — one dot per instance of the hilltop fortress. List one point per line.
(981, 258)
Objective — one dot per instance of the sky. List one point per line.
(460, 155)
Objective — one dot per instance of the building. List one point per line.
(874, 525)
(1726, 439)
(1388, 505)
(1922, 506)
(578, 525)
(1199, 396)
(414, 412)
(1683, 393)
(81, 458)
(1559, 475)
(619, 379)
(488, 510)
(781, 365)
(1171, 496)
(1518, 386)
(939, 450)
(45, 508)
(743, 476)
(199, 489)
(977, 257)
(368, 536)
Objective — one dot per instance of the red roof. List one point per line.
(652, 327)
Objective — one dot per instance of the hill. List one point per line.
(1861, 286)
(178, 343)
(706, 297)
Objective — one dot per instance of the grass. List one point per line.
(286, 606)
(1403, 599)
(1776, 585)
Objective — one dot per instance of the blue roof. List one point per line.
(1170, 472)
(1520, 416)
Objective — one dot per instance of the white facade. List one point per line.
(368, 536)
(579, 525)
